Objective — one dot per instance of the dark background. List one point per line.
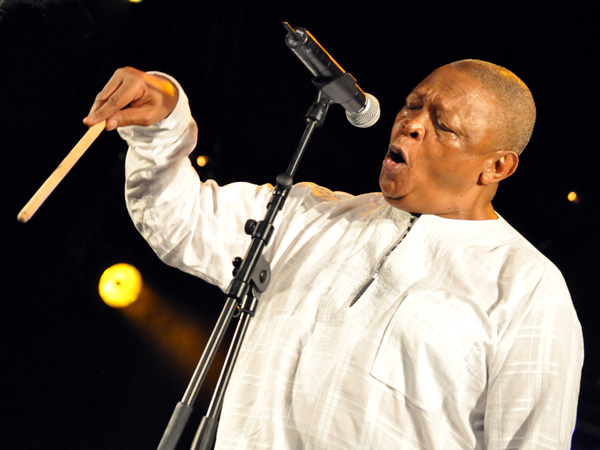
(77, 374)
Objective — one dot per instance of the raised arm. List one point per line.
(195, 226)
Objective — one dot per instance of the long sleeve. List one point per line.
(534, 378)
(194, 226)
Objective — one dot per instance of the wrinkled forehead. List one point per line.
(449, 84)
(451, 89)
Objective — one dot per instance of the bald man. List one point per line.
(413, 318)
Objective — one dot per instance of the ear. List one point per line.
(502, 165)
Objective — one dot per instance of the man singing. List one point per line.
(414, 318)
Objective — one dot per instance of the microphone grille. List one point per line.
(367, 116)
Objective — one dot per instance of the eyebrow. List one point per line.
(436, 104)
(414, 94)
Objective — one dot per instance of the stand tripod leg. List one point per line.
(183, 409)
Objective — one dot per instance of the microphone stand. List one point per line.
(251, 278)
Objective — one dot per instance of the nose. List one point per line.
(410, 123)
(415, 126)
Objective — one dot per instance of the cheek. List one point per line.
(445, 158)
(439, 171)
(433, 164)
(453, 175)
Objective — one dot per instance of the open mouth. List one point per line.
(395, 154)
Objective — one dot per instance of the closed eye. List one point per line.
(412, 106)
(440, 123)
(443, 127)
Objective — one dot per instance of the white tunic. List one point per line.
(462, 335)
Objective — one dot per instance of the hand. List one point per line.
(133, 97)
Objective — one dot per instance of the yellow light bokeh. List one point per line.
(202, 160)
(120, 285)
(572, 196)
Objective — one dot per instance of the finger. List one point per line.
(145, 111)
(130, 116)
(120, 100)
(125, 87)
(111, 86)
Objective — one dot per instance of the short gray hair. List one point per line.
(517, 113)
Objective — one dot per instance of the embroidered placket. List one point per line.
(382, 260)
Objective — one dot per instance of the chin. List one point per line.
(403, 204)
(396, 202)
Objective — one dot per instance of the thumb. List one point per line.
(112, 124)
(143, 116)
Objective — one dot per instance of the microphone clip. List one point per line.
(342, 90)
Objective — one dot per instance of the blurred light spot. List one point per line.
(573, 197)
(135, 1)
(176, 337)
(120, 285)
(202, 160)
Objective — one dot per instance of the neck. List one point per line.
(485, 213)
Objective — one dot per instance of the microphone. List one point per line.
(362, 110)
(69, 14)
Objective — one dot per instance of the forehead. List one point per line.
(448, 86)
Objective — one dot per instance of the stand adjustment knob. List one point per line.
(237, 262)
(250, 226)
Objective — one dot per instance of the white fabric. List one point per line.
(466, 339)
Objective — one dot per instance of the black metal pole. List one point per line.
(251, 278)
(206, 434)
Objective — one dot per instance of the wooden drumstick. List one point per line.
(59, 173)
